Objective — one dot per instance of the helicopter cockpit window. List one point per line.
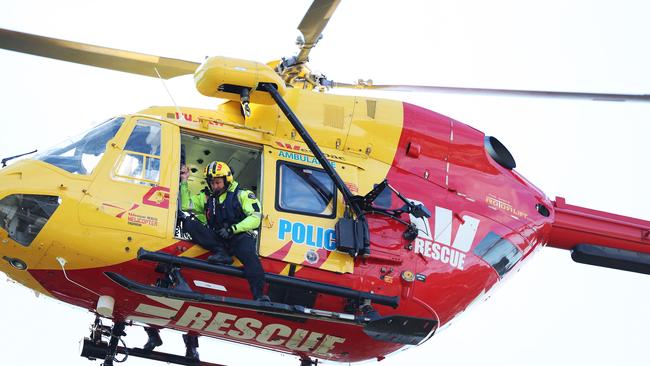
(140, 161)
(80, 155)
(305, 190)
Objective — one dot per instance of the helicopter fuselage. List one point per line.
(70, 225)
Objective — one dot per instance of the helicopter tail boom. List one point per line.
(601, 238)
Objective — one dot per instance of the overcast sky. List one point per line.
(593, 153)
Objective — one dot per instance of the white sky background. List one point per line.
(593, 153)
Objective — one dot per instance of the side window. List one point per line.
(305, 190)
(145, 138)
(140, 161)
(499, 252)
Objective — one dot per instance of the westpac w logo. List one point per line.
(439, 245)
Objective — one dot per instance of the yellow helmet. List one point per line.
(218, 169)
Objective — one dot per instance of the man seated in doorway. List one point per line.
(226, 220)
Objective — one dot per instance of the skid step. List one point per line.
(261, 306)
(394, 328)
(324, 288)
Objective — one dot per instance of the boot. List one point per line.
(370, 312)
(220, 257)
(191, 345)
(258, 294)
(263, 298)
(154, 339)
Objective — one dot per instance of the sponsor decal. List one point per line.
(352, 187)
(501, 204)
(301, 158)
(307, 234)
(230, 325)
(306, 150)
(139, 220)
(133, 218)
(157, 196)
(122, 210)
(288, 146)
(439, 245)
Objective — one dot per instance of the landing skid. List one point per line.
(103, 345)
(306, 361)
(92, 350)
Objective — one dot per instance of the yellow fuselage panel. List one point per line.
(355, 128)
(64, 235)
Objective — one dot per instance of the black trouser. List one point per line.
(242, 245)
(204, 236)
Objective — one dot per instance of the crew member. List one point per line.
(226, 220)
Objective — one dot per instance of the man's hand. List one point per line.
(185, 173)
(225, 233)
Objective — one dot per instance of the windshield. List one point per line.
(80, 154)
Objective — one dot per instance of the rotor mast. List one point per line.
(294, 70)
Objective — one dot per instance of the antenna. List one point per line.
(178, 110)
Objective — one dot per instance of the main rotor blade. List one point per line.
(313, 23)
(499, 92)
(107, 58)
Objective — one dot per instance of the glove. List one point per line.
(185, 173)
(225, 233)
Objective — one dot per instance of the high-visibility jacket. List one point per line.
(242, 214)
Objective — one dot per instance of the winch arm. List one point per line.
(306, 137)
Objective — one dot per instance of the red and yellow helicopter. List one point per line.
(494, 225)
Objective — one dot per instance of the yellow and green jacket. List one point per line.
(250, 205)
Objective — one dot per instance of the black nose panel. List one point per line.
(24, 215)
